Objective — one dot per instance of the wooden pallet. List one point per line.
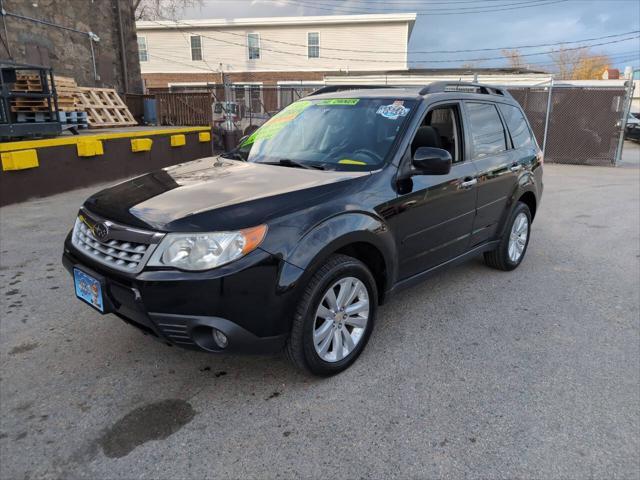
(29, 105)
(27, 83)
(28, 86)
(67, 90)
(105, 108)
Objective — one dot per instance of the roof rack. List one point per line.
(470, 87)
(339, 88)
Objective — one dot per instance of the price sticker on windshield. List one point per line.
(339, 101)
(393, 111)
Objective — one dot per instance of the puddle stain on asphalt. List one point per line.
(273, 395)
(154, 421)
(24, 347)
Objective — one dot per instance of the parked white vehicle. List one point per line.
(241, 119)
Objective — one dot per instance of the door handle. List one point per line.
(469, 183)
(515, 167)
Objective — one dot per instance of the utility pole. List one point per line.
(228, 113)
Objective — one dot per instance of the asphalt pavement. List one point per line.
(475, 373)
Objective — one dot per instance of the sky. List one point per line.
(521, 22)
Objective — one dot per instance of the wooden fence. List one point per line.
(184, 108)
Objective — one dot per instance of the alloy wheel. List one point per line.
(518, 237)
(341, 319)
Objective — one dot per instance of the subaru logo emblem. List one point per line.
(101, 231)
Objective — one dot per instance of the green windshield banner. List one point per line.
(277, 122)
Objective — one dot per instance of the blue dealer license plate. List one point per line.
(88, 289)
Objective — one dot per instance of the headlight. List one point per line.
(203, 251)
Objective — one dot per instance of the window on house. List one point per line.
(313, 45)
(253, 42)
(143, 54)
(292, 93)
(487, 132)
(196, 48)
(255, 99)
(239, 95)
(249, 97)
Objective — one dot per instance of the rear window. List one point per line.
(487, 133)
(517, 125)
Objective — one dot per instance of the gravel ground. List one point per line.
(475, 373)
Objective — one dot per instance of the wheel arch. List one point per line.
(529, 199)
(373, 258)
(359, 235)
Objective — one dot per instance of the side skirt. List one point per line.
(419, 277)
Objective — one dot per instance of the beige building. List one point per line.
(271, 50)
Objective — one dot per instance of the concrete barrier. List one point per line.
(38, 168)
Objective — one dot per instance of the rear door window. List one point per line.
(487, 132)
(517, 125)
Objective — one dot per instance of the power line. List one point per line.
(413, 52)
(520, 2)
(354, 10)
(618, 58)
(321, 81)
(622, 56)
(436, 11)
(532, 54)
(244, 45)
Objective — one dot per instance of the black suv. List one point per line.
(293, 240)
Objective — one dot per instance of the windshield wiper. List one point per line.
(287, 162)
(232, 155)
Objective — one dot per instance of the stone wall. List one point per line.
(69, 53)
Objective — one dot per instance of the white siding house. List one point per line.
(281, 44)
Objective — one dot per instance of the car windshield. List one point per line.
(338, 133)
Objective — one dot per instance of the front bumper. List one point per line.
(245, 300)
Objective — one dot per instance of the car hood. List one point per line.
(188, 196)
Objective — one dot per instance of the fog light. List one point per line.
(220, 338)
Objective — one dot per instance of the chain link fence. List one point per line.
(574, 125)
(584, 123)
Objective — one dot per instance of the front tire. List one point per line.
(514, 242)
(334, 318)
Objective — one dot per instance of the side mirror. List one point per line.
(432, 161)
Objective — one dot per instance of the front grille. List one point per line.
(123, 248)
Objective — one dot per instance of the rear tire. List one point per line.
(330, 330)
(514, 242)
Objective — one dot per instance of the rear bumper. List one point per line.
(247, 303)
